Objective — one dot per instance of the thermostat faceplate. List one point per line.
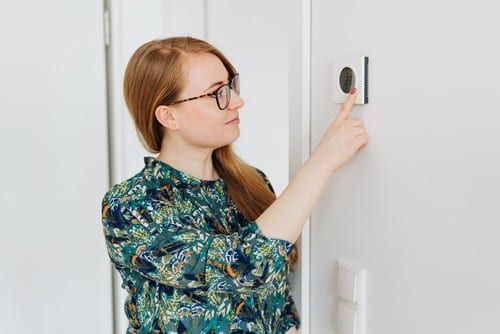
(348, 73)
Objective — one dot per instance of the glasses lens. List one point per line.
(235, 83)
(223, 96)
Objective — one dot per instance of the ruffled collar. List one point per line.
(169, 174)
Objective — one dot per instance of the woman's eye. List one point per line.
(220, 92)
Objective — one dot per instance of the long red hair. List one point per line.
(154, 76)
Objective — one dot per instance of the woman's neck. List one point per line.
(195, 163)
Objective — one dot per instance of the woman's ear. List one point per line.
(166, 118)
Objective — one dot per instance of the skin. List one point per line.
(194, 129)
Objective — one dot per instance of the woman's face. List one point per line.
(200, 122)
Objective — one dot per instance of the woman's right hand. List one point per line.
(286, 217)
(344, 137)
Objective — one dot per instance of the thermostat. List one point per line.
(348, 73)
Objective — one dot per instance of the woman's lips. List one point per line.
(235, 120)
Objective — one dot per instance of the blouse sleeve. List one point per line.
(177, 254)
(291, 315)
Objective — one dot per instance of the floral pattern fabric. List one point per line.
(190, 262)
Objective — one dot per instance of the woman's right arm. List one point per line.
(174, 252)
(285, 218)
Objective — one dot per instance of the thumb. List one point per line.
(345, 109)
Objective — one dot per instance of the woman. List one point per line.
(198, 237)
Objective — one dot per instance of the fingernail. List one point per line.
(353, 90)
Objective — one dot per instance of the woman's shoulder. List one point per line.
(131, 189)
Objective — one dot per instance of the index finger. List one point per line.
(345, 109)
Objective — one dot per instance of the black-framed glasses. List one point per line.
(222, 94)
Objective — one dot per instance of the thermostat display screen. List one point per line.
(347, 80)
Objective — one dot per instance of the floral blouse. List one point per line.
(189, 260)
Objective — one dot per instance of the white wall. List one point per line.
(418, 207)
(54, 275)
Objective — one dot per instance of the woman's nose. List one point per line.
(236, 100)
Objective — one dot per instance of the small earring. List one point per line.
(174, 125)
